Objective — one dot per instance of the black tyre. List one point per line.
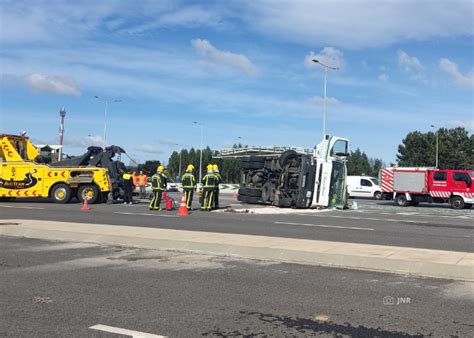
(250, 192)
(401, 200)
(457, 202)
(378, 195)
(61, 193)
(88, 191)
(286, 157)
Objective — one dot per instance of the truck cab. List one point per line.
(453, 185)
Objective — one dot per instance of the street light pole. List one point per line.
(200, 158)
(433, 126)
(105, 116)
(180, 152)
(325, 87)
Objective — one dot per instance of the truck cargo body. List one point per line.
(409, 186)
(296, 178)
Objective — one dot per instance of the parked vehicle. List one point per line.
(363, 186)
(295, 177)
(410, 186)
(23, 174)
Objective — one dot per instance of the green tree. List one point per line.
(358, 163)
(149, 167)
(455, 149)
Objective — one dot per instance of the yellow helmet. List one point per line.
(190, 167)
(160, 169)
(209, 167)
(215, 167)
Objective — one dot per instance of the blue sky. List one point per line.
(241, 68)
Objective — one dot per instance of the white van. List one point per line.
(363, 186)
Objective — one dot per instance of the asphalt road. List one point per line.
(55, 289)
(374, 223)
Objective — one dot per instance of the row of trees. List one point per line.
(456, 150)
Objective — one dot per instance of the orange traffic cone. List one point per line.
(234, 196)
(183, 209)
(85, 205)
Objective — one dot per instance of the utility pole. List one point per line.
(437, 143)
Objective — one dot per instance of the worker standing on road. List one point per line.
(189, 185)
(141, 183)
(215, 203)
(158, 185)
(127, 178)
(209, 183)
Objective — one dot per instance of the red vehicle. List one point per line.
(410, 186)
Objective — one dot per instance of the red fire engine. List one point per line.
(409, 186)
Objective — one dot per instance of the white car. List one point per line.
(363, 186)
(170, 186)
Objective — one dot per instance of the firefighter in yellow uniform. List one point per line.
(189, 185)
(158, 183)
(209, 182)
(215, 170)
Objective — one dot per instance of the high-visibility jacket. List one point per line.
(142, 180)
(219, 178)
(127, 180)
(135, 180)
(210, 181)
(189, 181)
(158, 182)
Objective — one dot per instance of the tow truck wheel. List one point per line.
(61, 193)
(401, 200)
(457, 202)
(89, 192)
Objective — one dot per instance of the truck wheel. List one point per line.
(250, 192)
(457, 202)
(378, 195)
(268, 192)
(286, 157)
(89, 192)
(401, 200)
(61, 193)
(249, 199)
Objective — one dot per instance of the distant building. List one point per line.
(49, 151)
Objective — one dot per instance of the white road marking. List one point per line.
(15, 207)
(143, 214)
(325, 226)
(366, 218)
(135, 334)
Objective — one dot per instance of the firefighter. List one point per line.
(158, 183)
(209, 182)
(215, 169)
(127, 187)
(189, 185)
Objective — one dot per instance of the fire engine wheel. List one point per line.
(378, 195)
(457, 202)
(89, 192)
(401, 200)
(61, 193)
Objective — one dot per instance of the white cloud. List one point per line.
(357, 24)
(148, 149)
(452, 69)
(53, 84)
(213, 56)
(468, 124)
(330, 56)
(409, 64)
(383, 77)
(318, 100)
(86, 141)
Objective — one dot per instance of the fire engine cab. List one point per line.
(410, 186)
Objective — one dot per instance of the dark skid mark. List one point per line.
(306, 325)
(140, 258)
(452, 226)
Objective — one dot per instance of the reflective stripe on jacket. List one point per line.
(210, 181)
(157, 182)
(189, 181)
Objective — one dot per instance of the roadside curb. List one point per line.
(421, 262)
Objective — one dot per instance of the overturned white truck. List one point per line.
(294, 177)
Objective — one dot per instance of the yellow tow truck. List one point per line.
(22, 175)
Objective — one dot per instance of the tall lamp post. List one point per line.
(105, 116)
(433, 126)
(200, 157)
(180, 152)
(62, 114)
(326, 67)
